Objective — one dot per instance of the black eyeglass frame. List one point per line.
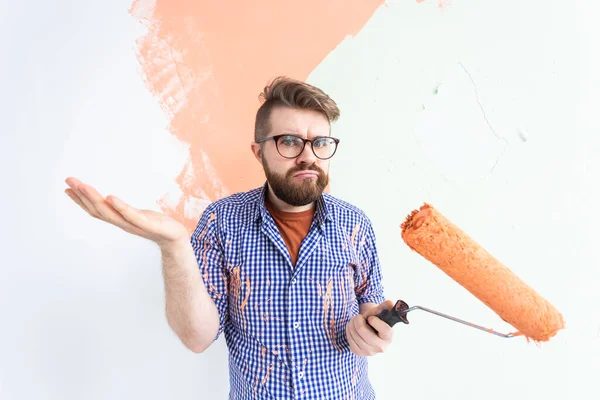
(311, 141)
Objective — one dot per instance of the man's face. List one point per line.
(297, 181)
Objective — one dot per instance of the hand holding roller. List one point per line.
(398, 314)
(438, 240)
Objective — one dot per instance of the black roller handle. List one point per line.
(394, 315)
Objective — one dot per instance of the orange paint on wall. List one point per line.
(207, 62)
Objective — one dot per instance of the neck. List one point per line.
(285, 207)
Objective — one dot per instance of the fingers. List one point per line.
(86, 204)
(384, 331)
(76, 199)
(386, 305)
(75, 194)
(366, 340)
(357, 345)
(108, 212)
(82, 197)
(130, 214)
(94, 204)
(354, 347)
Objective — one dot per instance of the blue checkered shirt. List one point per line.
(285, 325)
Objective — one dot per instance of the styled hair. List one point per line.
(292, 93)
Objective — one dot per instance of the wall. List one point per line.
(484, 109)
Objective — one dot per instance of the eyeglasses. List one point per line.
(291, 146)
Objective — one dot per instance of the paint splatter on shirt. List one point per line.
(285, 324)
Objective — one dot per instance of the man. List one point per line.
(289, 273)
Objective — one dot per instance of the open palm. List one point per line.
(148, 224)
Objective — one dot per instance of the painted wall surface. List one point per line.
(487, 110)
(205, 60)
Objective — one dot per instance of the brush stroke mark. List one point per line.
(206, 62)
(275, 350)
(346, 290)
(267, 373)
(329, 313)
(206, 246)
(236, 284)
(357, 266)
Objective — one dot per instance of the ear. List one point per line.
(257, 151)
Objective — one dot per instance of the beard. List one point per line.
(297, 194)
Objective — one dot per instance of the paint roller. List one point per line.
(438, 240)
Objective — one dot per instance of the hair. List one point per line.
(292, 93)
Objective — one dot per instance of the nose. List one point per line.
(307, 156)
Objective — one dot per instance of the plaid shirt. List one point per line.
(285, 326)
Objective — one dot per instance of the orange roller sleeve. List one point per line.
(438, 240)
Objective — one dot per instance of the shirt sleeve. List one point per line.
(368, 282)
(210, 257)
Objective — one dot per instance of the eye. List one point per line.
(322, 142)
(290, 141)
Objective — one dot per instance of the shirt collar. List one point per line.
(322, 211)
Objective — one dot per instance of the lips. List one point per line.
(306, 174)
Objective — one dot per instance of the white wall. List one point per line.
(535, 66)
(82, 303)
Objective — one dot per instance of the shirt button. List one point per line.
(296, 325)
(300, 375)
(293, 281)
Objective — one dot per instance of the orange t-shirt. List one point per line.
(293, 226)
